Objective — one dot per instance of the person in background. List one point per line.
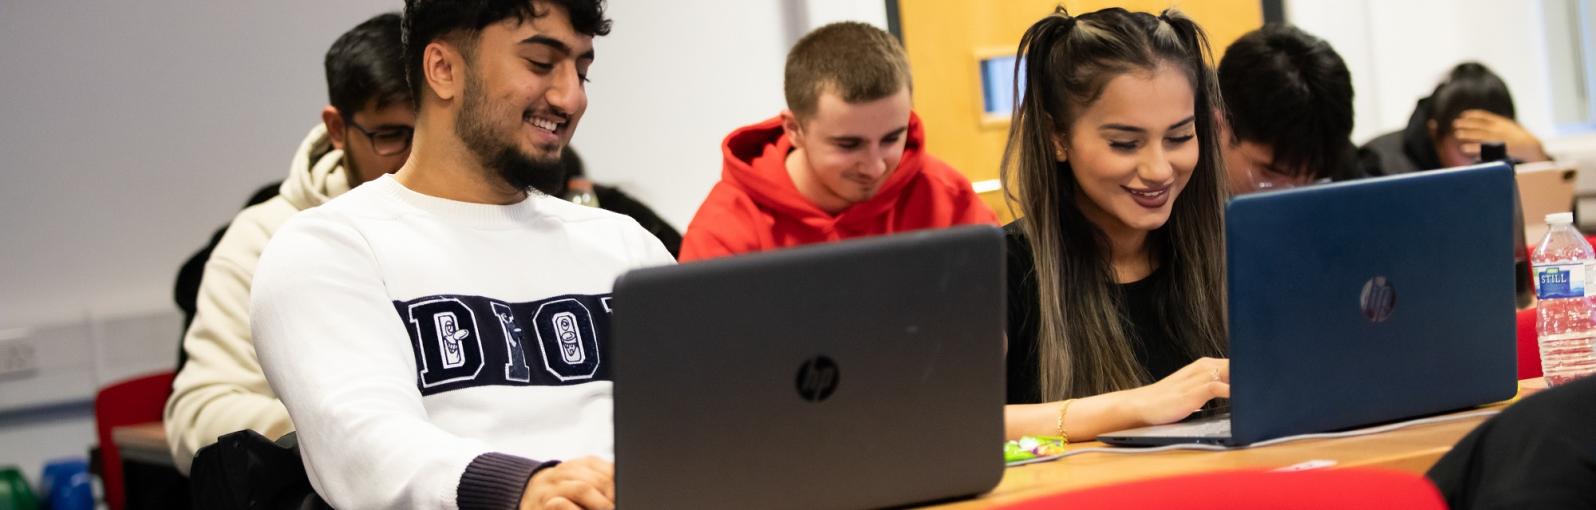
(364, 133)
(439, 335)
(579, 189)
(1472, 106)
(1116, 270)
(846, 159)
(1288, 112)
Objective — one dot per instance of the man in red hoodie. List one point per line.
(847, 159)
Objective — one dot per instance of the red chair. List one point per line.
(1529, 346)
(129, 402)
(1243, 490)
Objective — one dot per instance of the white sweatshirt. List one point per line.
(391, 323)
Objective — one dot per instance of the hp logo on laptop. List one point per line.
(1379, 299)
(817, 379)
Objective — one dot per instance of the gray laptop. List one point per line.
(1363, 302)
(848, 375)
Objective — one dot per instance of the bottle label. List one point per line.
(1590, 277)
(1558, 281)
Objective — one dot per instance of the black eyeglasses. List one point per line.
(387, 142)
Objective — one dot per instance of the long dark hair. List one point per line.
(1082, 347)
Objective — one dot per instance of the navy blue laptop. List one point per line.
(1363, 302)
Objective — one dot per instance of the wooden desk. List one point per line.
(1413, 449)
(145, 443)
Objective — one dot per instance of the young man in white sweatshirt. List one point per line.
(364, 133)
(438, 335)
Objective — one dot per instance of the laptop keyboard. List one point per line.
(1212, 428)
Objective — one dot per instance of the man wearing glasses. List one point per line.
(365, 132)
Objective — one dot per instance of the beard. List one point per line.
(498, 152)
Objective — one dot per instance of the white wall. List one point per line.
(132, 129)
(1398, 51)
(821, 12)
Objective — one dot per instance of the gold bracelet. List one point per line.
(1063, 408)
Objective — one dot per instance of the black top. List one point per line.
(1406, 150)
(1537, 454)
(1151, 339)
(613, 200)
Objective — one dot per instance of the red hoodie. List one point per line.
(756, 207)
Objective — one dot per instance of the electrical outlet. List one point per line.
(17, 357)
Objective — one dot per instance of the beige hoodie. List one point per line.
(222, 388)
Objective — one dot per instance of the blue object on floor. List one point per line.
(67, 485)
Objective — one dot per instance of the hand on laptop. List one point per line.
(587, 483)
(1177, 396)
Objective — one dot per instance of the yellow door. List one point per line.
(948, 39)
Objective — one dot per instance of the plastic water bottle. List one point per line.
(1565, 282)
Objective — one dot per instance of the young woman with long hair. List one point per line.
(1116, 269)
